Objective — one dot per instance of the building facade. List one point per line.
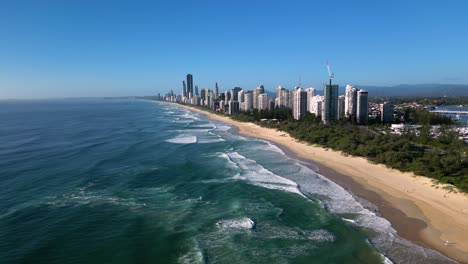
(330, 103)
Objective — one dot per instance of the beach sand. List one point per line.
(420, 211)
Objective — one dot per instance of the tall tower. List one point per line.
(362, 107)
(330, 100)
(190, 85)
(216, 91)
(300, 103)
(350, 102)
(184, 89)
(330, 103)
(196, 90)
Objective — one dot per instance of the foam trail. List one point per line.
(183, 139)
(255, 174)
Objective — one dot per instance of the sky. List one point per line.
(54, 49)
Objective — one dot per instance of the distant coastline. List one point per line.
(419, 210)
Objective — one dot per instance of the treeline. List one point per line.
(443, 158)
(419, 116)
(433, 101)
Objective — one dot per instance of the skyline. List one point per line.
(91, 50)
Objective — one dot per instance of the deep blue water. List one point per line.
(126, 181)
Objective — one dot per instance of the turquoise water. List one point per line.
(122, 181)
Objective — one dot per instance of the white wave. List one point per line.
(183, 121)
(239, 223)
(191, 130)
(222, 127)
(349, 220)
(210, 140)
(254, 173)
(183, 139)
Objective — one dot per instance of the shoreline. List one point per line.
(418, 210)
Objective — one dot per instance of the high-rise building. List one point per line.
(386, 112)
(299, 103)
(259, 90)
(203, 94)
(310, 93)
(280, 95)
(341, 106)
(235, 93)
(233, 107)
(184, 89)
(248, 101)
(362, 109)
(216, 91)
(240, 96)
(350, 102)
(196, 90)
(330, 103)
(263, 101)
(190, 85)
(316, 105)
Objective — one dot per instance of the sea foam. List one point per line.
(183, 139)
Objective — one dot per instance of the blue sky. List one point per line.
(117, 48)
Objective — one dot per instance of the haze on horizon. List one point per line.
(88, 49)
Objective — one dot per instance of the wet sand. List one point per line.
(419, 210)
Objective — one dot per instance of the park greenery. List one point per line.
(424, 101)
(443, 158)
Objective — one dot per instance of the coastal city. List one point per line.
(353, 106)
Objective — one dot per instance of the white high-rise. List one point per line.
(299, 103)
(263, 101)
(310, 93)
(316, 105)
(350, 101)
(240, 96)
(341, 106)
(248, 101)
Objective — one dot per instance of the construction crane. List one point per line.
(330, 74)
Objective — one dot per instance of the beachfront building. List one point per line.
(310, 93)
(316, 105)
(362, 110)
(350, 102)
(263, 101)
(299, 103)
(341, 106)
(330, 103)
(248, 100)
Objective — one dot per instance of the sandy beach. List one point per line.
(418, 209)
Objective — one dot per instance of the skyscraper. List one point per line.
(248, 101)
(310, 93)
(184, 89)
(300, 103)
(316, 105)
(330, 103)
(190, 85)
(216, 91)
(350, 102)
(259, 90)
(235, 93)
(362, 107)
(196, 90)
(240, 96)
(341, 106)
(263, 101)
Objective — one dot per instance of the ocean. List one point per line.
(133, 181)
